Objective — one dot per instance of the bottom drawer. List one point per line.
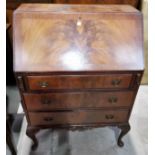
(78, 117)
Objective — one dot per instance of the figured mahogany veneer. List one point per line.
(50, 39)
(78, 117)
(131, 2)
(79, 81)
(77, 66)
(51, 101)
(13, 4)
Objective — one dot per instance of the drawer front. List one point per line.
(51, 101)
(79, 82)
(78, 117)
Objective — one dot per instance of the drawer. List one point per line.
(51, 101)
(79, 81)
(78, 117)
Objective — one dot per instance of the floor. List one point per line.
(101, 141)
(13, 99)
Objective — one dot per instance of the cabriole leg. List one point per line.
(30, 132)
(124, 130)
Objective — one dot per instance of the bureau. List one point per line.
(77, 66)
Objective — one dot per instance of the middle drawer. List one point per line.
(69, 100)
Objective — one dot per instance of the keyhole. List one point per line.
(79, 22)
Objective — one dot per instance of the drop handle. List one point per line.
(116, 82)
(109, 116)
(43, 84)
(112, 99)
(48, 119)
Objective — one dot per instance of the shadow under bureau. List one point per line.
(77, 66)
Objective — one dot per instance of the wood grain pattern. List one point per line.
(13, 4)
(53, 41)
(65, 8)
(131, 2)
(53, 101)
(77, 117)
(80, 65)
(79, 82)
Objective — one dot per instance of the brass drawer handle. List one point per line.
(112, 99)
(109, 116)
(43, 84)
(48, 119)
(116, 82)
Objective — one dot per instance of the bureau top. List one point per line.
(51, 37)
(62, 8)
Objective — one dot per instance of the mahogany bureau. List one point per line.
(77, 66)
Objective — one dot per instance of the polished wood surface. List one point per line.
(77, 117)
(13, 4)
(79, 81)
(53, 101)
(131, 2)
(75, 38)
(77, 66)
(63, 8)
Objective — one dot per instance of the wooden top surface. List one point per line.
(77, 38)
(64, 8)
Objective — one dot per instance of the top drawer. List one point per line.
(112, 81)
